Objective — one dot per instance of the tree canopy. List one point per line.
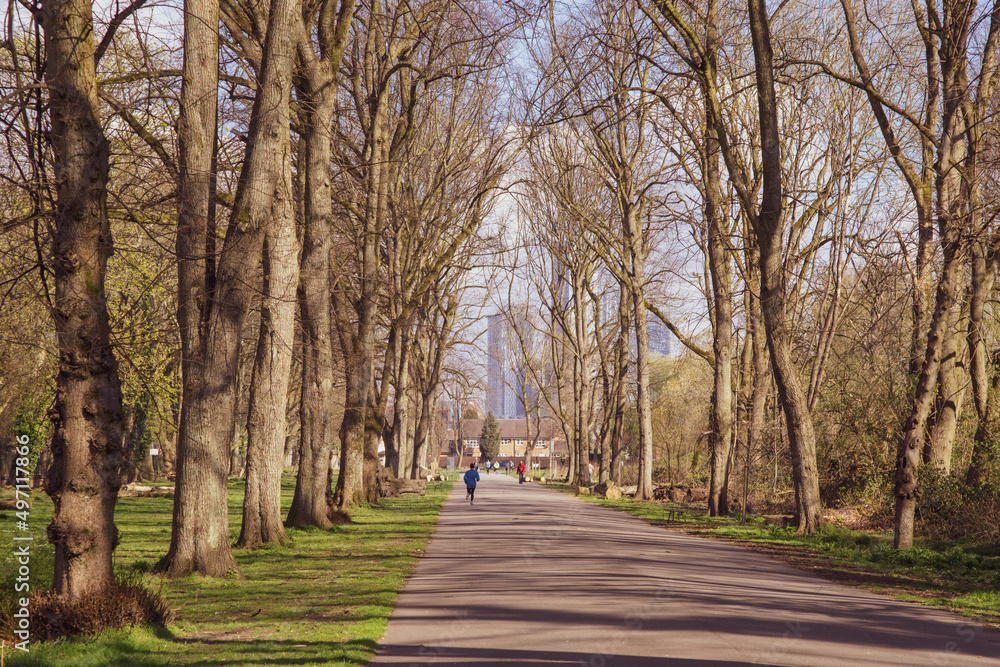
(489, 437)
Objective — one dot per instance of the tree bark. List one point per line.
(312, 500)
(761, 369)
(196, 129)
(912, 444)
(358, 337)
(88, 423)
(620, 402)
(637, 277)
(404, 417)
(952, 200)
(768, 228)
(985, 382)
(952, 384)
(581, 379)
(717, 249)
(200, 538)
(312, 503)
(266, 425)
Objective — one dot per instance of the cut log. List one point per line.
(394, 488)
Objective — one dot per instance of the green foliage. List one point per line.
(141, 307)
(680, 403)
(489, 438)
(31, 419)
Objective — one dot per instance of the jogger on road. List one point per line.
(471, 477)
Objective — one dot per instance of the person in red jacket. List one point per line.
(520, 472)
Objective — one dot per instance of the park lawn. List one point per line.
(964, 577)
(322, 599)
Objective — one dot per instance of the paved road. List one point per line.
(531, 576)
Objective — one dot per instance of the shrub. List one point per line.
(126, 602)
(950, 509)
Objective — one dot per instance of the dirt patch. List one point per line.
(241, 635)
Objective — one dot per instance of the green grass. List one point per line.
(322, 599)
(961, 576)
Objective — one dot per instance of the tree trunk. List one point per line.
(196, 130)
(644, 490)
(581, 381)
(312, 504)
(359, 336)
(311, 501)
(608, 387)
(720, 437)
(372, 460)
(768, 228)
(951, 213)
(403, 420)
(952, 383)
(912, 444)
(200, 538)
(88, 423)
(984, 381)
(422, 442)
(620, 403)
(266, 425)
(761, 371)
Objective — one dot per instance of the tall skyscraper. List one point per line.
(660, 338)
(496, 388)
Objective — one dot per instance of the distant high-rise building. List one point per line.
(496, 388)
(660, 338)
(513, 408)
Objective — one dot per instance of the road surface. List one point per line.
(532, 576)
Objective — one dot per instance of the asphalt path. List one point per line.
(532, 576)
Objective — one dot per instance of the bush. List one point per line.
(950, 509)
(126, 602)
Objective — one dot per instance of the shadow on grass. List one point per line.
(261, 651)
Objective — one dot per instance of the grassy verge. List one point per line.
(964, 577)
(322, 599)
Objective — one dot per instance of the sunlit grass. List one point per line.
(324, 598)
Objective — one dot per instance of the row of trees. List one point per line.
(670, 141)
(316, 214)
(303, 247)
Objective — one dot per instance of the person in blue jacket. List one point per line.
(471, 477)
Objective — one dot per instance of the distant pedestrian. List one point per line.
(520, 472)
(471, 477)
(496, 467)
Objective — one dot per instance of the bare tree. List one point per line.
(950, 138)
(200, 537)
(316, 84)
(768, 223)
(605, 86)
